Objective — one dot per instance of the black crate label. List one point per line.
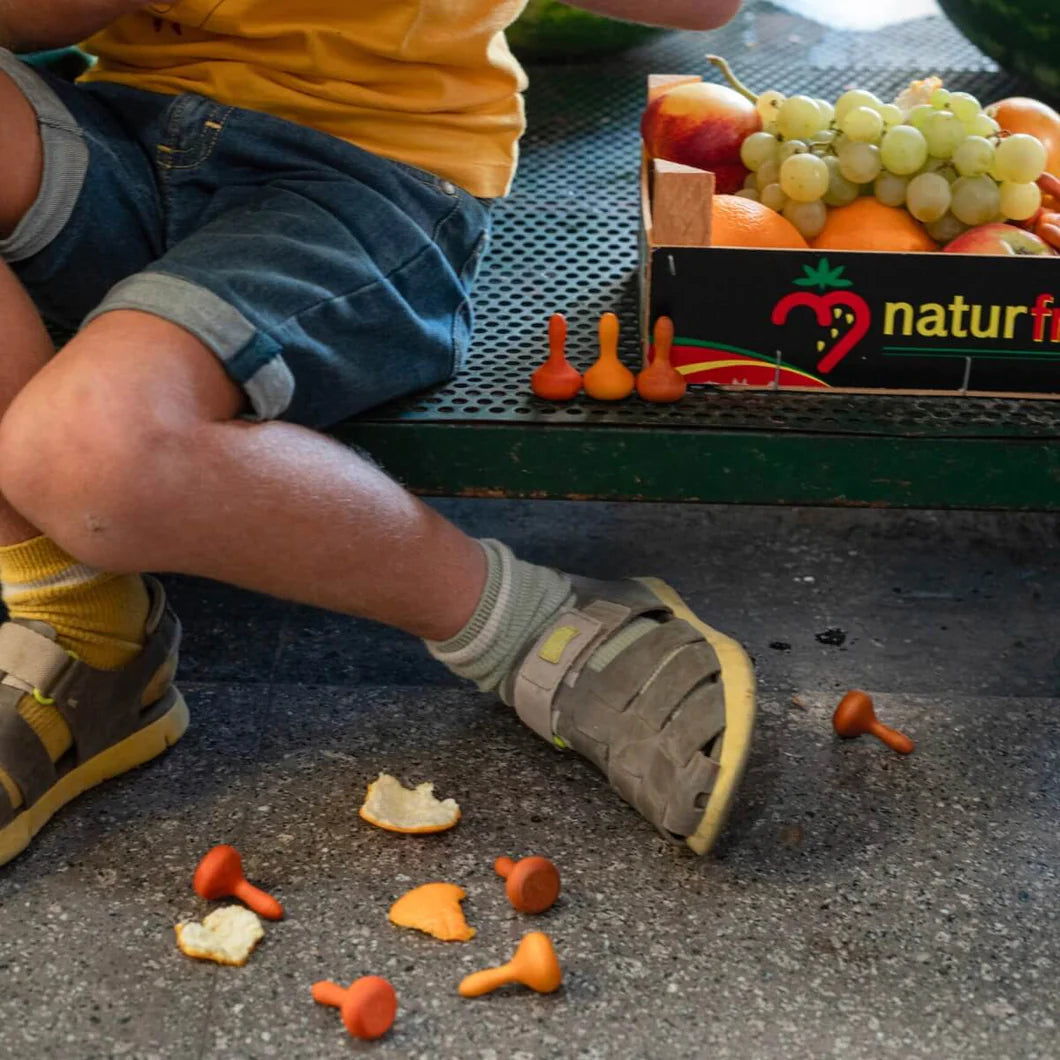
(792, 318)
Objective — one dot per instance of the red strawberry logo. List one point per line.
(832, 310)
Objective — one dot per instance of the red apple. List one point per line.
(999, 239)
(702, 124)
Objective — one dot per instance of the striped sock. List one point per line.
(519, 601)
(99, 616)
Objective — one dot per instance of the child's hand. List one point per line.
(33, 25)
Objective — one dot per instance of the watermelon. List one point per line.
(68, 63)
(548, 29)
(1023, 36)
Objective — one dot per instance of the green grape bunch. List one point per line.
(931, 151)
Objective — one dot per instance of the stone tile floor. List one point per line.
(860, 905)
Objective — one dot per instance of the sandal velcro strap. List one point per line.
(557, 656)
(626, 677)
(646, 721)
(118, 719)
(32, 657)
(23, 756)
(651, 714)
(664, 707)
(81, 689)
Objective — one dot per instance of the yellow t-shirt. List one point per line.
(428, 82)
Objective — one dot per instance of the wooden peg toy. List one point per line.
(532, 883)
(659, 381)
(556, 379)
(609, 379)
(220, 875)
(368, 1005)
(855, 716)
(534, 965)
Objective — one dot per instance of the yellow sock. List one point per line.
(99, 616)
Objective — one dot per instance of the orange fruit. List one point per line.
(1022, 115)
(740, 222)
(866, 224)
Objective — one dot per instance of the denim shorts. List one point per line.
(327, 279)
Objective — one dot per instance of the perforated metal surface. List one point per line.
(567, 238)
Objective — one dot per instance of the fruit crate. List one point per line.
(842, 321)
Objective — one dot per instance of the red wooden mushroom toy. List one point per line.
(660, 381)
(532, 884)
(368, 1005)
(556, 379)
(855, 716)
(220, 875)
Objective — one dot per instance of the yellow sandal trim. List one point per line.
(133, 751)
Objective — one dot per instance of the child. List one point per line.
(261, 218)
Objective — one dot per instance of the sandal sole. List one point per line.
(739, 684)
(143, 745)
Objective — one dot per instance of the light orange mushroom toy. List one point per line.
(368, 1005)
(660, 381)
(556, 379)
(534, 965)
(532, 884)
(855, 716)
(608, 379)
(220, 875)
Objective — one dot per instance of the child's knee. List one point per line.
(78, 456)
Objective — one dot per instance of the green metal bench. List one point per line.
(566, 241)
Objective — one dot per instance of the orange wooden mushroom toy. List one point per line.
(220, 875)
(855, 716)
(660, 381)
(609, 379)
(532, 883)
(556, 379)
(534, 965)
(368, 1005)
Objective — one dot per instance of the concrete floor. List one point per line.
(860, 905)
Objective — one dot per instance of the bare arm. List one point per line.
(30, 25)
(678, 14)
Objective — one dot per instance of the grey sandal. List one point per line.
(668, 721)
(119, 718)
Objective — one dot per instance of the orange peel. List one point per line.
(434, 909)
(227, 936)
(412, 811)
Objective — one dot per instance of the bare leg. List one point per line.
(28, 349)
(143, 467)
(125, 449)
(26, 344)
